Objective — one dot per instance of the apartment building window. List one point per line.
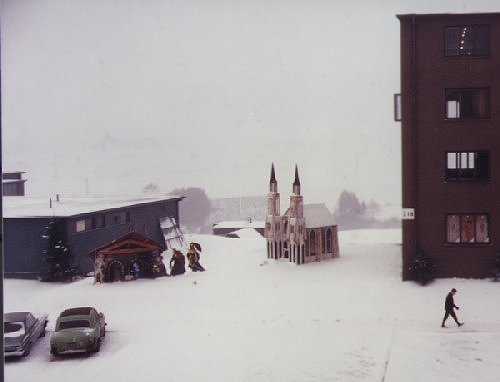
(467, 40)
(467, 229)
(467, 103)
(471, 165)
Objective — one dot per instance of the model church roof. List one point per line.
(316, 215)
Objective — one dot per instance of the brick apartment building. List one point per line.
(450, 115)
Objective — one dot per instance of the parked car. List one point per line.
(20, 331)
(78, 330)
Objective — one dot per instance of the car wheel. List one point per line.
(54, 351)
(98, 345)
(27, 351)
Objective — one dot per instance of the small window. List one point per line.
(73, 324)
(312, 243)
(120, 218)
(80, 225)
(13, 329)
(96, 222)
(467, 103)
(268, 227)
(467, 229)
(467, 40)
(467, 165)
(329, 241)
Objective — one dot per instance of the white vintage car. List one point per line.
(21, 330)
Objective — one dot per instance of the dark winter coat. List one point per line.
(449, 303)
(177, 265)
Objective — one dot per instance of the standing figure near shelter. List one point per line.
(177, 263)
(194, 257)
(99, 269)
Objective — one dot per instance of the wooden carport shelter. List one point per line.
(130, 257)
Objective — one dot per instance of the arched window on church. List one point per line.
(323, 241)
(329, 241)
(312, 243)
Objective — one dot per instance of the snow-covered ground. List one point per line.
(250, 319)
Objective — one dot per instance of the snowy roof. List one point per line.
(30, 207)
(318, 215)
(247, 233)
(5, 181)
(240, 224)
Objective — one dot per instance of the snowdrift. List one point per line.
(248, 318)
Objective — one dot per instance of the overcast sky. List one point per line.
(107, 96)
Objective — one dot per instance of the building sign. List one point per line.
(397, 107)
(408, 214)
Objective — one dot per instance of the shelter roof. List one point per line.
(131, 243)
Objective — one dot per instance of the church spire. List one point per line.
(296, 183)
(273, 176)
(297, 180)
(273, 184)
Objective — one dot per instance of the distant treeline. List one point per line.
(198, 213)
(351, 213)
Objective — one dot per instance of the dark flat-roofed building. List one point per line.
(450, 114)
(84, 224)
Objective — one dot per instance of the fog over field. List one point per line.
(105, 97)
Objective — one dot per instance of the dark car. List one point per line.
(78, 330)
(21, 330)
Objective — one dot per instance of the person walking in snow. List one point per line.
(194, 257)
(177, 263)
(449, 307)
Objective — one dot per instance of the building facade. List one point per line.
(450, 114)
(83, 224)
(304, 233)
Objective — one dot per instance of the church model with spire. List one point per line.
(305, 233)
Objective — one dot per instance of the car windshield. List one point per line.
(74, 324)
(13, 329)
